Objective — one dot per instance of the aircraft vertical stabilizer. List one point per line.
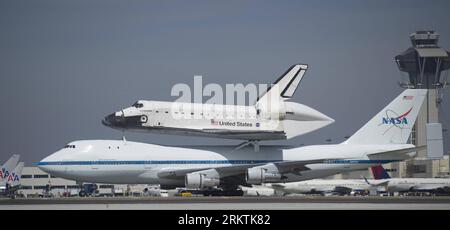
(393, 124)
(286, 85)
(8, 166)
(379, 172)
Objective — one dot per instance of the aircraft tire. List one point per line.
(82, 194)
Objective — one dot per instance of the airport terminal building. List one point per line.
(34, 183)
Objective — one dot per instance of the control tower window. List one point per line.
(137, 104)
(426, 41)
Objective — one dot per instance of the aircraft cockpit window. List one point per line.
(137, 104)
(69, 146)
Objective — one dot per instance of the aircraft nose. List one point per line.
(52, 164)
(113, 121)
(43, 166)
(46, 166)
(52, 168)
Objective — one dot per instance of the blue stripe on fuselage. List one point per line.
(138, 162)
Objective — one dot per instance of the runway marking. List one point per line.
(232, 203)
(233, 206)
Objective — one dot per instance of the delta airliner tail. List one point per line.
(394, 123)
(379, 172)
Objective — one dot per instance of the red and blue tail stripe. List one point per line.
(379, 172)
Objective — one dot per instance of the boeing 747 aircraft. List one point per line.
(382, 140)
(271, 118)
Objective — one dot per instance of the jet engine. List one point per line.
(261, 175)
(200, 181)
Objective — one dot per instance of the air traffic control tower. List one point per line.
(426, 65)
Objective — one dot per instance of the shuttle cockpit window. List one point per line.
(69, 147)
(138, 105)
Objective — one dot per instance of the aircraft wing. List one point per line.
(233, 170)
(296, 166)
(244, 135)
(223, 171)
(401, 154)
(230, 131)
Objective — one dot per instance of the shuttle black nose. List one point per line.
(113, 121)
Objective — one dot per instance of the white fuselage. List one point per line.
(118, 162)
(321, 186)
(258, 190)
(415, 184)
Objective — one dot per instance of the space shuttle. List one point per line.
(272, 117)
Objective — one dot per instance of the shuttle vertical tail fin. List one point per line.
(286, 85)
(393, 124)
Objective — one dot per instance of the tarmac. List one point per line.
(230, 203)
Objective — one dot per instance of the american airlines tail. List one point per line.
(14, 177)
(393, 124)
(9, 166)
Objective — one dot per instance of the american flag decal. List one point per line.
(214, 122)
(408, 97)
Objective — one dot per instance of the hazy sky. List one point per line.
(64, 65)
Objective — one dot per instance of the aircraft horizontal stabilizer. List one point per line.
(399, 155)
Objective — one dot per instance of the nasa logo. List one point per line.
(257, 124)
(395, 119)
